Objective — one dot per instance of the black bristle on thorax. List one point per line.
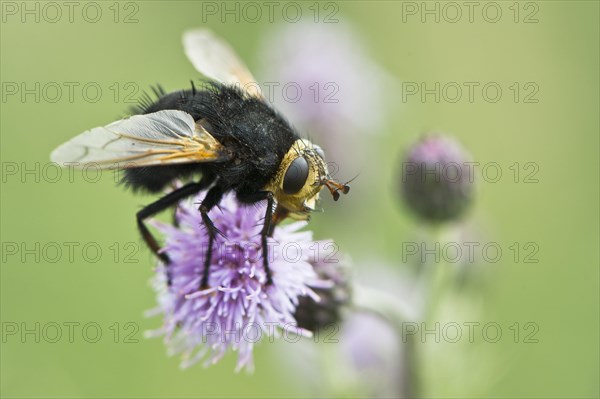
(251, 130)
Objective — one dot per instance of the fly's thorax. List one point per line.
(299, 179)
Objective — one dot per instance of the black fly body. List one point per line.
(221, 137)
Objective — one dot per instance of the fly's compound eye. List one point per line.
(295, 176)
(319, 151)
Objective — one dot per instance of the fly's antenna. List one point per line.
(335, 187)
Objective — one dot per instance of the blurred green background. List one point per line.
(559, 53)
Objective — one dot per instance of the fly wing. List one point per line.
(214, 58)
(160, 138)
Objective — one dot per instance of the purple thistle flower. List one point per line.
(328, 85)
(239, 308)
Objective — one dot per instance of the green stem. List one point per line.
(434, 283)
(411, 386)
(437, 275)
(436, 278)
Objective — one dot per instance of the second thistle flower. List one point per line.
(437, 182)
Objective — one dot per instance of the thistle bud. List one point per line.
(437, 181)
(314, 315)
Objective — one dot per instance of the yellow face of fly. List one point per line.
(299, 179)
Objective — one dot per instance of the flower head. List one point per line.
(315, 315)
(437, 182)
(240, 307)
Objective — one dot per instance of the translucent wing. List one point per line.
(214, 58)
(159, 138)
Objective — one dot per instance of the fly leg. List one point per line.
(279, 215)
(213, 197)
(152, 209)
(268, 225)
